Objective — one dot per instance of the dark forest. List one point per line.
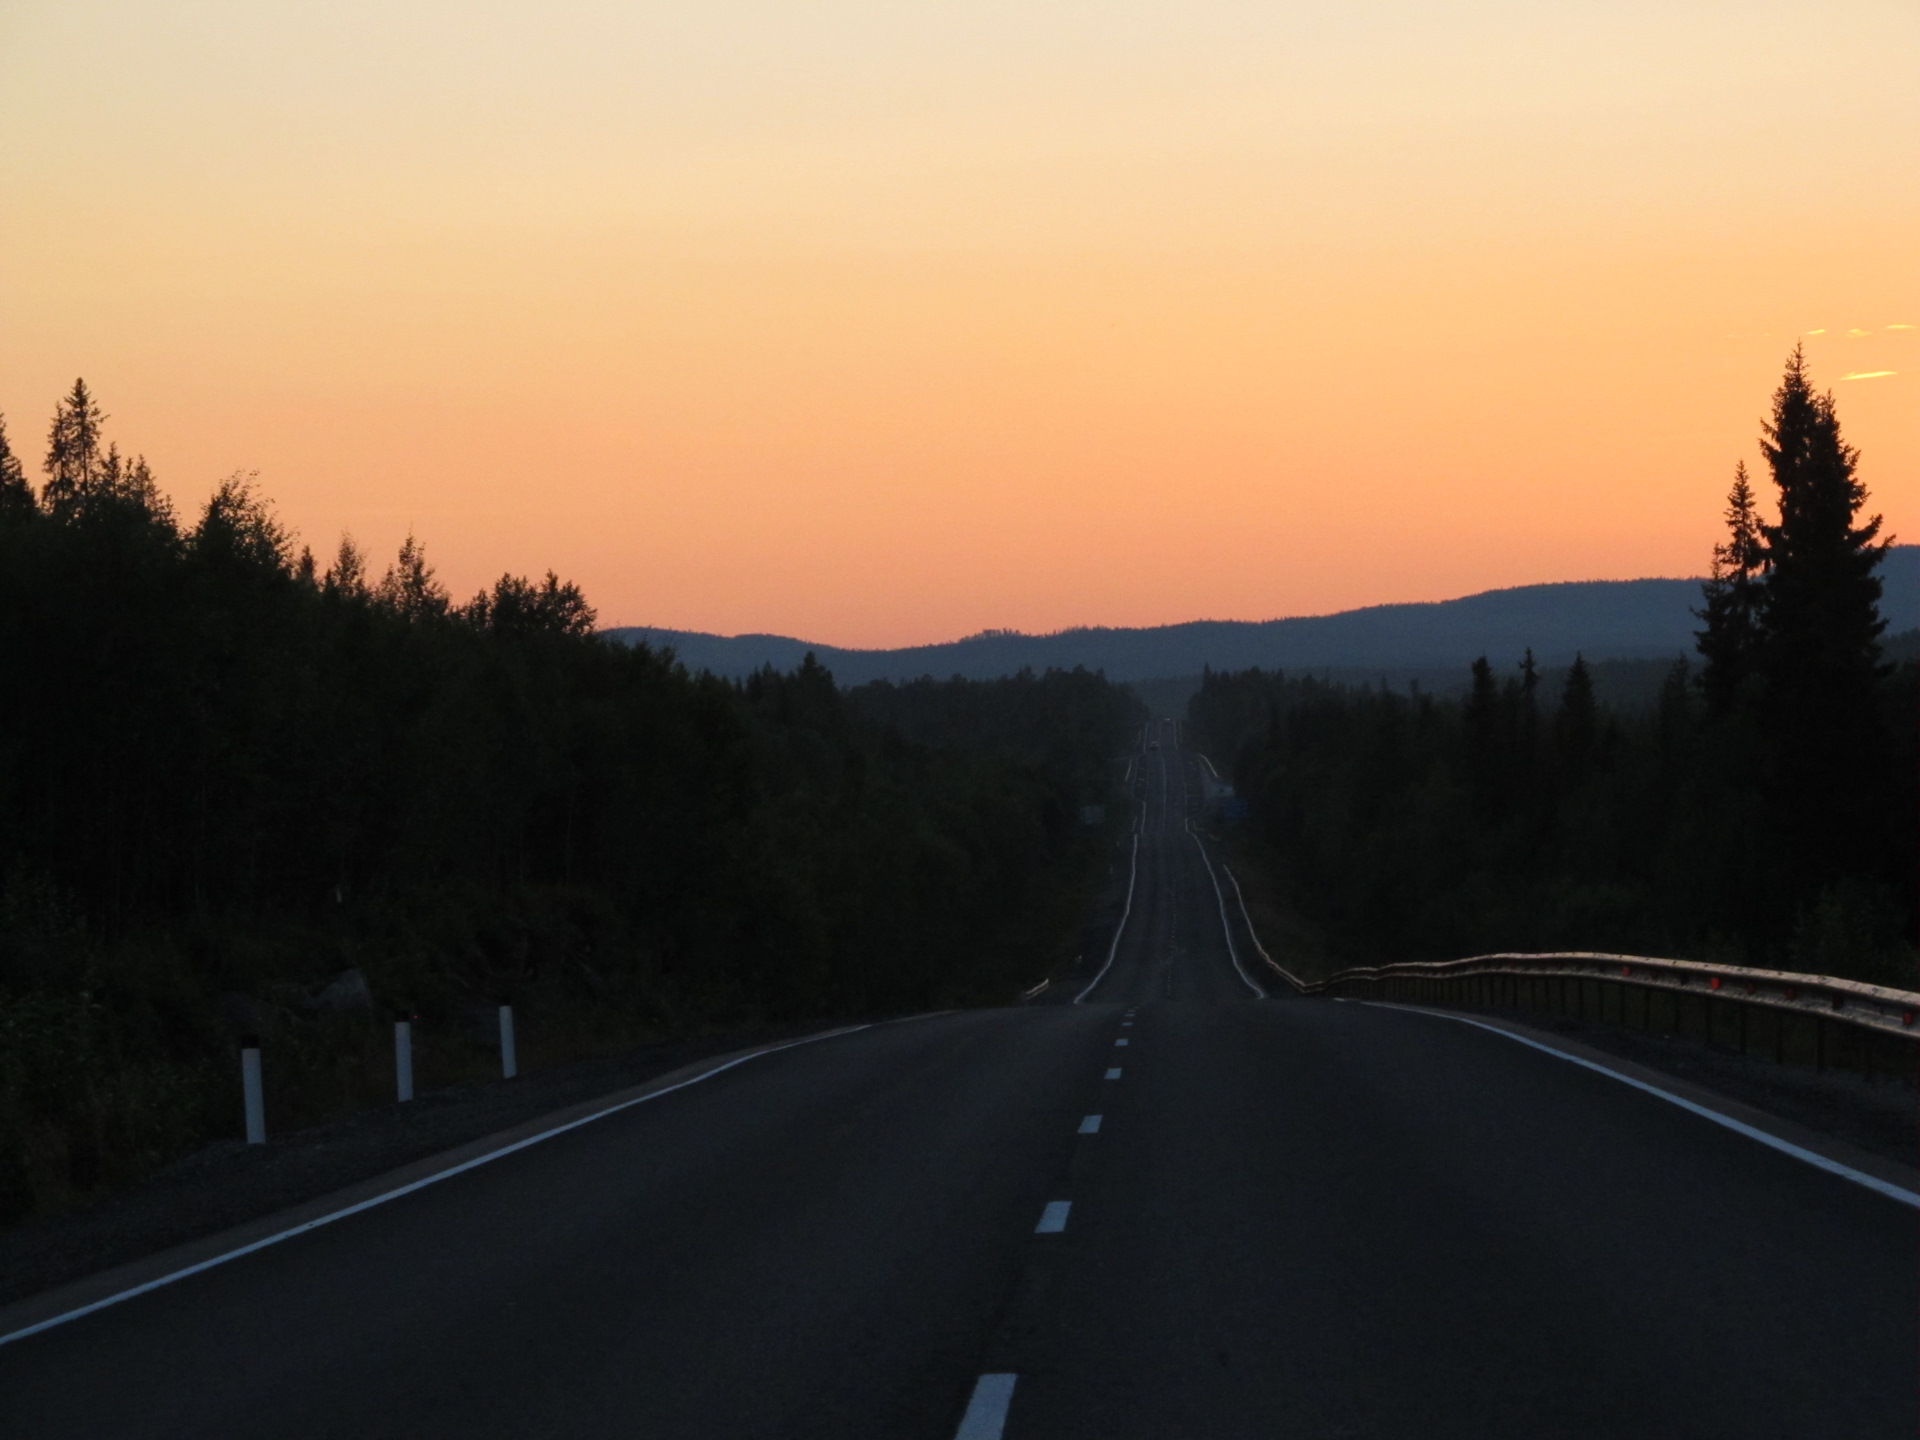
(243, 791)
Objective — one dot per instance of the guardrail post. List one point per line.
(252, 1090)
(403, 1058)
(509, 1064)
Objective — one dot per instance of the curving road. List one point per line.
(1288, 1219)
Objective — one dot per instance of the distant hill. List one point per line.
(1602, 619)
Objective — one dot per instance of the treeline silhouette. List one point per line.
(230, 775)
(1765, 811)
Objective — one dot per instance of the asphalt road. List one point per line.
(1293, 1219)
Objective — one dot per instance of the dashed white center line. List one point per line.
(1126, 1024)
(1053, 1219)
(986, 1417)
(1114, 1073)
(1090, 1125)
(1121, 1041)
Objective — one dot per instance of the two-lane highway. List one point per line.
(1172, 1210)
(1173, 946)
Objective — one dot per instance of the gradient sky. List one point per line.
(885, 321)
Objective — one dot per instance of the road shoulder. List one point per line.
(1591, 1048)
(232, 1194)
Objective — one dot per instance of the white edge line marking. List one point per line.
(1774, 1142)
(1133, 874)
(1090, 1125)
(1053, 1219)
(1114, 1073)
(407, 1189)
(986, 1417)
(1254, 935)
(1219, 896)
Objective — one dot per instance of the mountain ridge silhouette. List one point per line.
(1600, 619)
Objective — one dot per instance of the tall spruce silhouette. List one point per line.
(1734, 592)
(74, 463)
(1818, 653)
(1485, 743)
(1576, 725)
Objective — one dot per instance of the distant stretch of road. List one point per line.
(1174, 1210)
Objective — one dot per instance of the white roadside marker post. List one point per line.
(509, 1066)
(403, 1057)
(251, 1089)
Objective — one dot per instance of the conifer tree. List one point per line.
(1818, 655)
(16, 495)
(1673, 717)
(1733, 595)
(74, 462)
(1527, 734)
(1576, 725)
(1484, 738)
(128, 483)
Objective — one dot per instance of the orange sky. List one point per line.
(880, 323)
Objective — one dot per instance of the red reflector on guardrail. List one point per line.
(1714, 982)
(1625, 971)
(1907, 1018)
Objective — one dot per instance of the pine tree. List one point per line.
(130, 484)
(1818, 655)
(1576, 726)
(1673, 718)
(1484, 740)
(1733, 595)
(1527, 736)
(16, 495)
(74, 463)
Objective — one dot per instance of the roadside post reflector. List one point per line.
(403, 1058)
(252, 1091)
(509, 1066)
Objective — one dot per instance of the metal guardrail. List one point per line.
(1824, 997)
(1868, 1022)
(1819, 1018)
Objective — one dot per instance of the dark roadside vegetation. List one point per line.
(245, 792)
(1764, 811)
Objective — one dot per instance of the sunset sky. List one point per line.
(885, 321)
